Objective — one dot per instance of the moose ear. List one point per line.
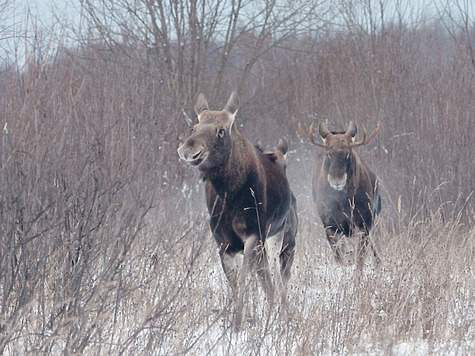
(351, 131)
(200, 104)
(323, 131)
(233, 104)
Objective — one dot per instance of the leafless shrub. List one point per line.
(78, 177)
(194, 45)
(104, 247)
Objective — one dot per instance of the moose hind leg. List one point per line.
(286, 261)
(273, 247)
(288, 248)
(264, 274)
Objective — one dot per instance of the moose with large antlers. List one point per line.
(252, 209)
(345, 191)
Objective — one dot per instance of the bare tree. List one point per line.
(194, 43)
(7, 31)
(458, 18)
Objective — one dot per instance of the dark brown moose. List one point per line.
(252, 209)
(345, 191)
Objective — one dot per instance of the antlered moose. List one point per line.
(345, 190)
(252, 209)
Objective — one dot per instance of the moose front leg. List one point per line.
(333, 237)
(231, 264)
(250, 245)
(365, 241)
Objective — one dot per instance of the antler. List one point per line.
(364, 141)
(309, 138)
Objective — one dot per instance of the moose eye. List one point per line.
(220, 132)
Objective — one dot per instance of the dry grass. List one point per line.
(170, 296)
(104, 241)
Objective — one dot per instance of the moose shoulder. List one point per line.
(345, 190)
(252, 209)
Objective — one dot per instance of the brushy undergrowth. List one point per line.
(104, 241)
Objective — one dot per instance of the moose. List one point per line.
(345, 191)
(252, 210)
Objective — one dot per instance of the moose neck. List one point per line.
(229, 178)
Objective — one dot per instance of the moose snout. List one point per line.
(337, 183)
(191, 154)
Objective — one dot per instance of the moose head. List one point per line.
(209, 145)
(339, 162)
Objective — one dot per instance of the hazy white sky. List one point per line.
(46, 17)
(41, 9)
(69, 9)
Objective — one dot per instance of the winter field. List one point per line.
(105, 247)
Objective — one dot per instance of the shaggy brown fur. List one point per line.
(248, 198)
(344, 189)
